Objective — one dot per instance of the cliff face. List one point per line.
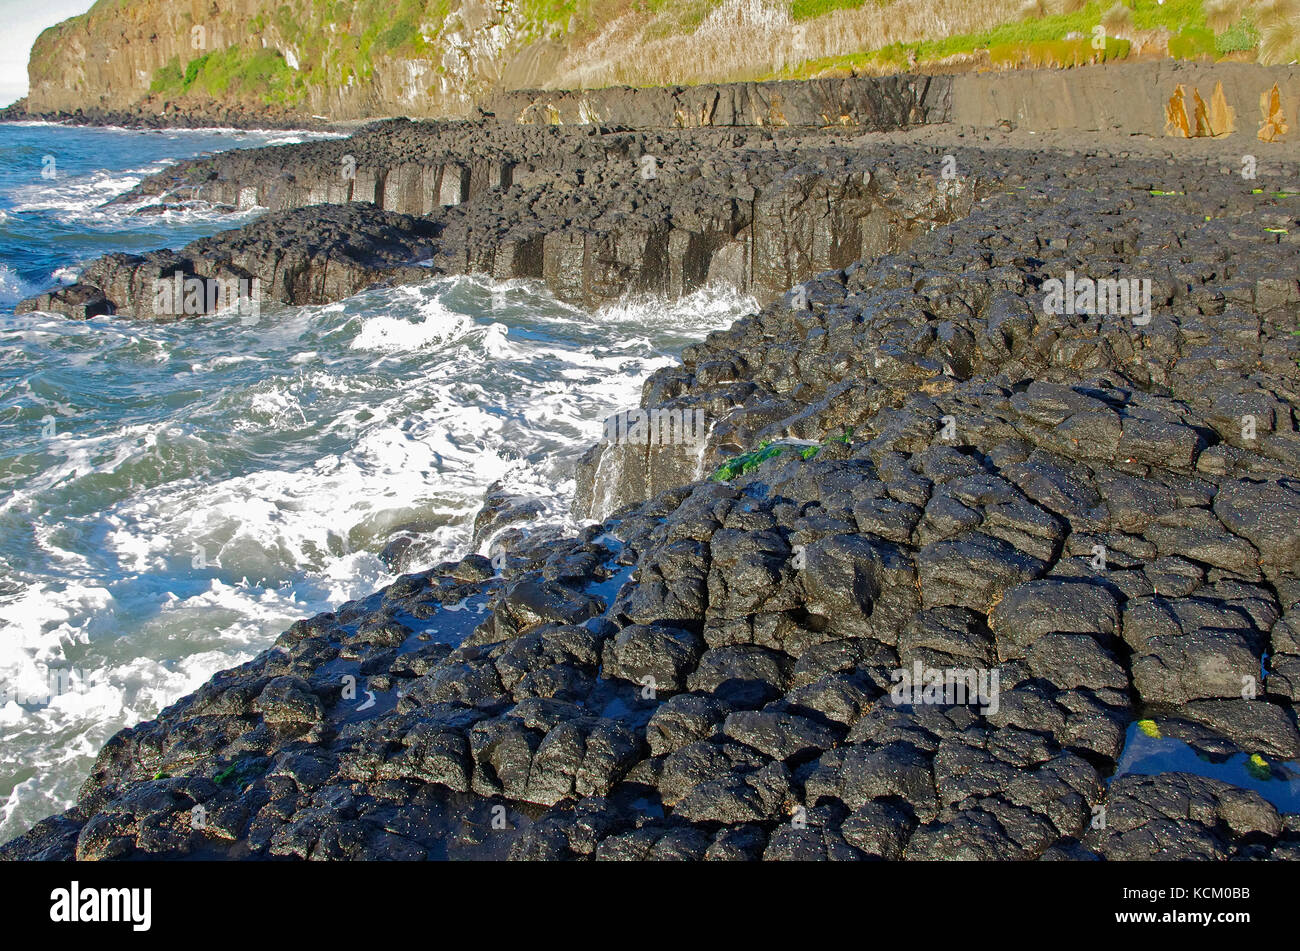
(354, 59)
(343, 60)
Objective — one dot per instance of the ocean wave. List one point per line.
(12, 287)
(437, 325)
(81, 198)
(241, 477)
(77, 195)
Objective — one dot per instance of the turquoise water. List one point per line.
(173, 495)
(53, 180)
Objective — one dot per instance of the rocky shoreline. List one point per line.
(921, 466)
(229, 117)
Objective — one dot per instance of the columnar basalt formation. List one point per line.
(810, 369)
(595, 215)
(871, 104)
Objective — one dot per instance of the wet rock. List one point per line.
(289, 700)
(531, 603)
(959, 481)
(973, 571)
(80, 301)
(1177, 816)
(859, 585)
(1267, 514)
(746, 676)
(1050, 606)
(779, 735)
(681, 720)
(665, 655)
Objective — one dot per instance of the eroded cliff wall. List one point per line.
(342, 60)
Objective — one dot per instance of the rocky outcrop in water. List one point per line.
(594, 215)
(992, 545)
(309, 256)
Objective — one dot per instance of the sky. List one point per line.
(22, 22)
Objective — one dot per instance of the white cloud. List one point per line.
(23, 21)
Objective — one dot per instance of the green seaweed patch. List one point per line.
(1150, 728)
(1259, 767)
(741, 465)
(239, 774)
(738, 466)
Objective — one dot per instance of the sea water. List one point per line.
(173, 495)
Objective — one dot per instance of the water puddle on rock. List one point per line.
(1148, 751)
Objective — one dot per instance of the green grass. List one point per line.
(1237, 39)
(561, 17)
(377, 29)
(811, 9)
(1192, 43)
(1030, 42)
(168, 78)
(1057, 53)
(250, 73)
(676, 17)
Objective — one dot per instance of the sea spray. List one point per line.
(255, 472)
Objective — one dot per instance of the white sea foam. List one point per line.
(280, 457)
(77, 194)
(12, 287)
(80, 198)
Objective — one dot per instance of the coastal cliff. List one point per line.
(249, 61)
(362, 58)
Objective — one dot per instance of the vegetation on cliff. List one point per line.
(358, 58)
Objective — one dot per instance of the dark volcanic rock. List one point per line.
(309, 256)
(982, 544)
(571, 208)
